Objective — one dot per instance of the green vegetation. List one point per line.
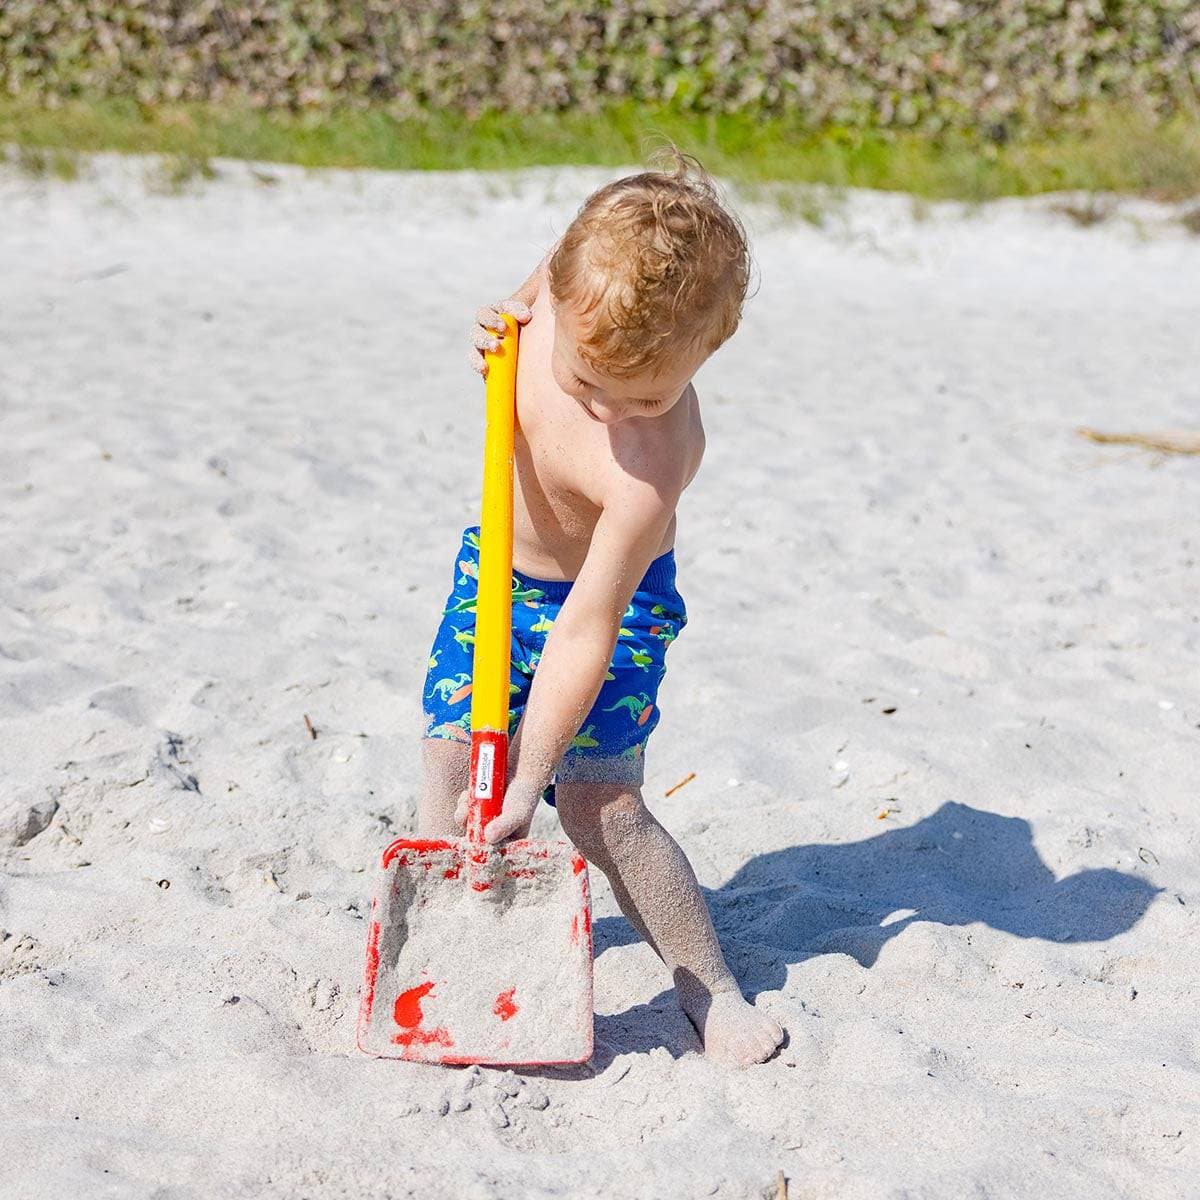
(928, 66)
(1106, 151)
(40, 163)
(178, 172)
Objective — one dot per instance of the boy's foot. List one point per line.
(733, 1031)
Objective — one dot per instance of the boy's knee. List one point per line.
(598, 817)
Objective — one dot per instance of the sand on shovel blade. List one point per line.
(468, 964)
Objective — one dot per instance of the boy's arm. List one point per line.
(579, 648)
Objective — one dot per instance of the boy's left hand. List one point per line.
(489, 324)
(520, 803)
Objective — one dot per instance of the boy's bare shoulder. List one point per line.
(651, 463)
(656, 458)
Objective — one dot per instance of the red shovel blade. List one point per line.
(479, 954)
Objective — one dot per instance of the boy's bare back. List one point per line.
(570, 466)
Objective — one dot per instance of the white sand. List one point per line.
(237, 446)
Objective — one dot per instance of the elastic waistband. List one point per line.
(659, 576)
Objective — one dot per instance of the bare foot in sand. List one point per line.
(655, 886)
(733, 1031)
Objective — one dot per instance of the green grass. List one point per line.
(40, 162)
(178, 171)
(1105, 151)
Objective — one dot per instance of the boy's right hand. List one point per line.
(520, 803)
(488, 323)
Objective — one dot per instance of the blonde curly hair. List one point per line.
(652, 263)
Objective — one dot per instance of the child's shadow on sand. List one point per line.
(958, 866)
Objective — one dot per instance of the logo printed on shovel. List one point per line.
(483, 782)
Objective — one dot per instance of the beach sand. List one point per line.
(939, 688)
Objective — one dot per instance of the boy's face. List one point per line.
(611, 401)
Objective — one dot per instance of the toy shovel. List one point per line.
(478, 953)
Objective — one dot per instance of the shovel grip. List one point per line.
(493, 607)
(489, 770)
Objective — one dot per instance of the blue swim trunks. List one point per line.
(611, 743)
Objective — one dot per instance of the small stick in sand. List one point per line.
(686, 779)
(1168, 443)
(312, 733)
(781, 1186)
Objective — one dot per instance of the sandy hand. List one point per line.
(520, 803)
(488, 323)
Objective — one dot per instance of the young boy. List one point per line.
(645, 284)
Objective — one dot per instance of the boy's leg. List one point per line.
(446, 770)
(657, 890)
(445, 766)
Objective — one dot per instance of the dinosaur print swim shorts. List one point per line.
(611, 743)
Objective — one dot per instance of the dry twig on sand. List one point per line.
(1168, 443)
(686, 779)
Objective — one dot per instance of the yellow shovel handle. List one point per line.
(493, 608)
